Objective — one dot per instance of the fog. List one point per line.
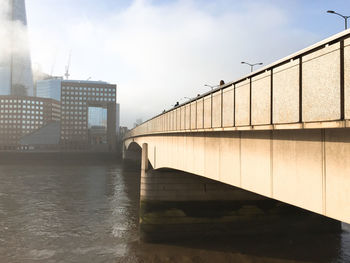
(159, 52)
(14, 48)
(13, 34)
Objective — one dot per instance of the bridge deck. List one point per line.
(301, 102)
(308, 89)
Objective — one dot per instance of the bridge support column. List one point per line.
(132, 155)
(123, 152)
(176, 205)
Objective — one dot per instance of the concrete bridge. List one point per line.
(281, 132)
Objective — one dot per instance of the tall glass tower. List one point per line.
(16, 76)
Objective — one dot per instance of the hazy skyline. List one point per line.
(15, 64)
(158, 52)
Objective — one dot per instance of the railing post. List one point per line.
(234, 105)
(203, 113)
(196, 116)
(190, 121)
(222, 107)
(300, 89)
(271, 94)
(342, 81)
(250, 101)
(211, 110)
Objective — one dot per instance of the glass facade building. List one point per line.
(50, 88)
(16, 76)
(97, 117)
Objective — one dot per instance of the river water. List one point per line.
(88, 212)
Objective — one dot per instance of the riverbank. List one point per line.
(53, 157)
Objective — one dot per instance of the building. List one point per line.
(49, 88)
(86, 104)
(88, 116)
(23, 115)
(38, 75)
(118, 119)
(83, 113)
(16, 77)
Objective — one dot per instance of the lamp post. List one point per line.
(251, 65)
(210, 86)
(185, 98)
(345, 17)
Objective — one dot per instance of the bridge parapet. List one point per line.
(308, 89)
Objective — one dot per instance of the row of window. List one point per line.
(19, 117)
(88, 89)
(22, 111)
(10, 106)
(73, 113)
(74, 108)
(19, 121)
(75, 127)
(68, 123)
(68, 99)
(72, 103)
(21, 101)
(74, 132)
(23, 127)
(76, 111)
(75, 117)
(76, 93)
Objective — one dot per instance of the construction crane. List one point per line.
(68, 65)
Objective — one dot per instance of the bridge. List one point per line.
(281, 132)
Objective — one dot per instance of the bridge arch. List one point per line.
(189, 173)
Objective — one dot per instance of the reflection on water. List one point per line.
(89, 213)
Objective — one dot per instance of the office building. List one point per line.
(49, 88)
(88, 117)
(88, 108)
(22, 115)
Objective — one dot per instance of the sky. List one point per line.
(160, 51)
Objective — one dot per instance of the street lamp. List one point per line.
(345, 17)
(251, 65)
(185, 98)
(210, 86)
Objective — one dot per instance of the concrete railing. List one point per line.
(308, 89)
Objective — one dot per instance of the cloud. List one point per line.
(160, 53)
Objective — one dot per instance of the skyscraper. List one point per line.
(16, 77)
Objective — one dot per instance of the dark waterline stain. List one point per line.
(72, 211)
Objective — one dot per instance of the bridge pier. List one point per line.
(177, 205)
(132, 155)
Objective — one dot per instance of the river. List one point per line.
(88, 212)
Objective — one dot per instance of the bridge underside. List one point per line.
(305, 168)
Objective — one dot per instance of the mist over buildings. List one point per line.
(15, 62)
